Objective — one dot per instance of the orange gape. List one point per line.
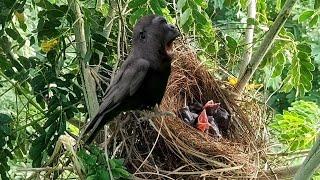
(203, 123)
(212, 105)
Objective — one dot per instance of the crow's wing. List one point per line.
(126, 82)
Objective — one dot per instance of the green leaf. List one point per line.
(5, 130)
(4, 119)
(105, 9)
(181, 4)
(232, 43)
(102, 174)
(251, 21)
(52, 117)
(287, 87)
(13, 33)
(277, 70)
(62, 126)
(155, 6)
(4, 63)
(185, 16)
(137, 3)
(306, 73)
(136, 15)
(306, 84)
(198, 2)
(55, 13)
(92, 177)
(118, 162)
(278, 5)
(99, 37)
(17, 65)
(308, 65)
(306, 48)
(163, 3)
(40, 101)
(316, 4)
(25, 62)
(305, 15)
(300, 75)
(122, 172)
(203, 4)
(100, 47)
(199, 17)
(314, 20)
(37, 147)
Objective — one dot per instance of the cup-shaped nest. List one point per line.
(156, 145)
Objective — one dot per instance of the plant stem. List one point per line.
(265, 45)
(88, 83)
(249, 37)
(311, 163)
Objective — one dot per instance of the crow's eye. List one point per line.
(163, 21)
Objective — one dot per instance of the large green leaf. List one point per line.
(305, 15)
(231, 43)
(99, 37)
(5, 119)
(314, 20)
(316, 4)
(199, 18)
(136, 15)
(303, 47)
(185, 16)
(155, 6)
(181, 4)
(36, 150)
(137, 3)
(281, 60)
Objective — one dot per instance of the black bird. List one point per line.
(141, 80)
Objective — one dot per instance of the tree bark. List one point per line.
(279, 173)
(249, 37)
(311, 163)
(88, 83)
(265, 45)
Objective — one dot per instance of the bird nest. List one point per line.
(161, 145)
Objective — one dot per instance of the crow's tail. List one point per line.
(96, 124)
(90, 131)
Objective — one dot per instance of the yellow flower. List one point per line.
(47, 46)
(233, 81)
(253, 86)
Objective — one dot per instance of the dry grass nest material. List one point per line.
(156, 145)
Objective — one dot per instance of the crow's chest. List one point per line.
(154, 85)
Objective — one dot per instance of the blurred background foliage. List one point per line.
(41, 93)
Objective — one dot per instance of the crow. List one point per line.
(141, 80)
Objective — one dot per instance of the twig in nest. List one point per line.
(150, 152)
(46, 169)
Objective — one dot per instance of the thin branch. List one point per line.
(249, 37)
(265, 45)
(46, 169)
(89, 86)
(289, 153)
(279, 173)
(311, 163)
